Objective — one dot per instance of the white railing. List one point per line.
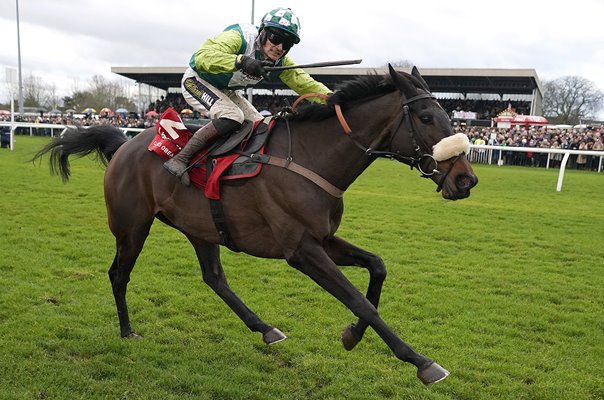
(487, 156)
(475, 154)
(53, 127)
(32, 126)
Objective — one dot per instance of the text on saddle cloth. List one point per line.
(172, 135)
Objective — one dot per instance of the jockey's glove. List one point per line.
(252, 66)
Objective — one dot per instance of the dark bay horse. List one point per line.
(280, 213)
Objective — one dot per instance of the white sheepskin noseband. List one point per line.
(451, 146)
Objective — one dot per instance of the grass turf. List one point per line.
(504, 289)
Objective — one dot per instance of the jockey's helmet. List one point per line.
(284, 20)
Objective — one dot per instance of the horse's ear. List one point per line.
(392, 72)
(401, 83)
(420, 78)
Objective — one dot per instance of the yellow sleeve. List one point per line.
(301, 82)
(217, 55)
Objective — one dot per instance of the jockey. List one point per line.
(235, 59)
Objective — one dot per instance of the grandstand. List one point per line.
(472, 95)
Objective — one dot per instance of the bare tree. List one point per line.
(107, 93)
(52, 101)
(101, 93)
(401, 64)
(35, 92)
(571, 100)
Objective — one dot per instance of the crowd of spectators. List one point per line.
(586, 138)
(484, 109)
(123, 121)
(174, 100)
(266, 103)
(590, 138)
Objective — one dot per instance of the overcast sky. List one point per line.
(66, 42)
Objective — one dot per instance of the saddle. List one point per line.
(223, 160)
(237, 157)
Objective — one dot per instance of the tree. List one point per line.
(53, 101)
(101, 93)
(109, 94)
(571, 100)
(38, 94)
(79, 101)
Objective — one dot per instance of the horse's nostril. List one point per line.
(466, 181)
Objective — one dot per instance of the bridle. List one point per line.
(423, 155)
(418, 143)
(423, 152)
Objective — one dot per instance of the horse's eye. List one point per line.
(426, 119)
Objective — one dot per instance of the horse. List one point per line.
(283, 212)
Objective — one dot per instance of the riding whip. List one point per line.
(314, 65)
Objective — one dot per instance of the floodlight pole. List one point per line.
(19, 55)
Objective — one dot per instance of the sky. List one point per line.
(66, 42)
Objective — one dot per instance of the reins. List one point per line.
(421, 157)
(413, 162)
(288, 162)
(337, 108)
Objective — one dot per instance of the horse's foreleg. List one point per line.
(345, 254)
(311, 259)
(213, 275)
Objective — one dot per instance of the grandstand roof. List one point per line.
(440, 80)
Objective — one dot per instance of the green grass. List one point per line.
(504, 289)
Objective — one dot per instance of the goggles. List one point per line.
(277, 38)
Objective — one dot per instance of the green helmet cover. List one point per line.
(284, 19)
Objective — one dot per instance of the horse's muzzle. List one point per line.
(463, 184)
(459, 181)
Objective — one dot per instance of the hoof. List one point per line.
(433, 373)
(132, 336)
(273, 336)
(349, 339)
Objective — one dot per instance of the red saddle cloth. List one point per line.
(172, 135)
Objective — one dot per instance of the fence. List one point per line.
(44, 129)
(487, 154)
(482, 154)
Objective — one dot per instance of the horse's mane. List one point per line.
(345, 94)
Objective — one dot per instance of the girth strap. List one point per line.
(218, 212)
(219, 217)
(221, 224)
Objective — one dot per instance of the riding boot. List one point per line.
(177, 165)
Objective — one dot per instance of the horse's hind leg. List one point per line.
(213, 275)
(128, 247)
(345, 254)
(311, 259)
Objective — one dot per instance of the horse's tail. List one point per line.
(103, 140)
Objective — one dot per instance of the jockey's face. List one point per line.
(273, 52)
(276, 45)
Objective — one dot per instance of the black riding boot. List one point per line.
(177, 165)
